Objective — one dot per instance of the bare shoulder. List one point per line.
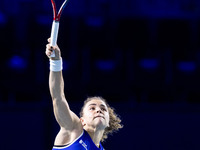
(68, 136)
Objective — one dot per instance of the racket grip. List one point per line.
(54, 35)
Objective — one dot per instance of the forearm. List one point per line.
(56, 85)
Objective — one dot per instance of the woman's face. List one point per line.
(95, 114)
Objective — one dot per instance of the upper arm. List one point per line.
(64, 116)
(70, 124)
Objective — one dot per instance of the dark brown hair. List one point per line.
(114, 123)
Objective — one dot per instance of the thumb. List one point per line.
(49, 40)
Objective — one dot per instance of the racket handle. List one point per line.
(54, 35)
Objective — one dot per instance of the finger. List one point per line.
(49, 40)
(49, 47)
(48, 53)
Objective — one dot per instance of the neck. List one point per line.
(95, 135)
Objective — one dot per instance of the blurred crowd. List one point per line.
(141, 50)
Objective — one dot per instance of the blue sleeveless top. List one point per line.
(83, 142)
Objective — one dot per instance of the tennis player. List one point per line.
(97, 118)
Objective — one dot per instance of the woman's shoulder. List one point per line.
(65, 137)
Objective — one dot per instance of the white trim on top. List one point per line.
(70, 143)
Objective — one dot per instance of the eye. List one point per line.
(104, 109)
(92, 108)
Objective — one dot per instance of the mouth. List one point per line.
(99, 117)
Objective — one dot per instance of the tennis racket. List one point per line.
(55, 24)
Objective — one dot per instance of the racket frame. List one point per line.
(55, 24)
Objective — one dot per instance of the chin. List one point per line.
(101, 124)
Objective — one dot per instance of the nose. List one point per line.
(98, 110)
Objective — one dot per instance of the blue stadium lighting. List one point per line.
(44, 20)
(94, 21)
(2, 18)
(186, 66)
(17, 62)
(149, 63)
(105, 65)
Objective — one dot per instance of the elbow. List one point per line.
(58, 102)
(57, 95)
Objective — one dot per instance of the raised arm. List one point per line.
(69, 122)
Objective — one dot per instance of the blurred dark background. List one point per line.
(143, 56)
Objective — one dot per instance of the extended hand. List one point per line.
(50, 49)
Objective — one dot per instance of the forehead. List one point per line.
(98, 102)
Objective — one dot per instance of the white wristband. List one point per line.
(56, 65)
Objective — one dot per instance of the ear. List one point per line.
(82, 121)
